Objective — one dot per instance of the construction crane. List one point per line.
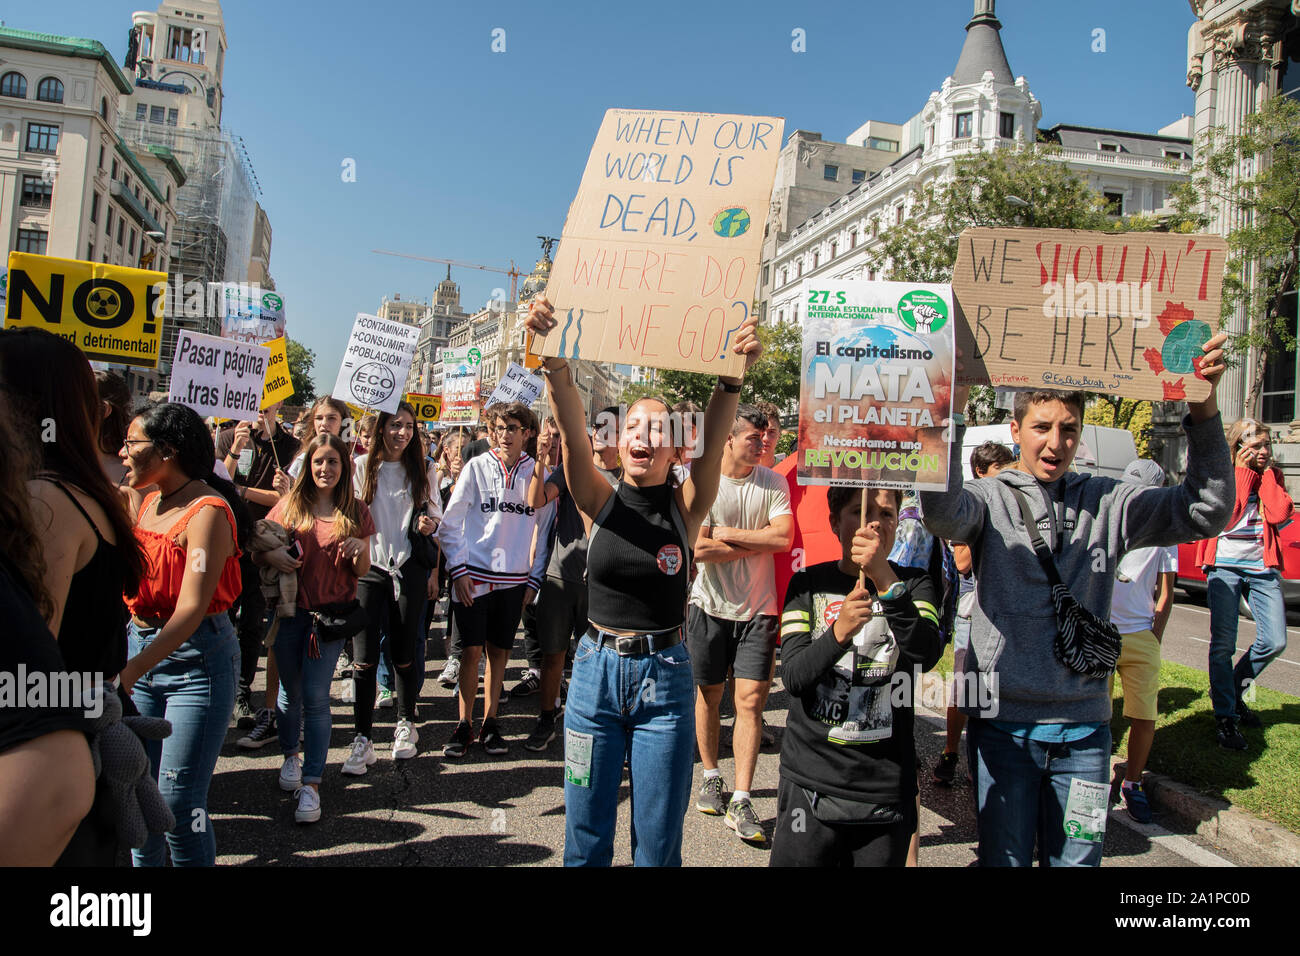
(512, 272)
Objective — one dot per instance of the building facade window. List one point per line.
(799, 267)
(785, 276)
(875, 228)
(141, 112)
(834, 247)
(130, 246)
(103, 108)
(94, 207)
(853, 238)
(156, 114)
(830, 173)
(1007, 125)
(1114, 203)
(171, 117)
(113, 174)
(32, 240)
(1108, 147)
(858, 175)
(767, 271)
(13, 84)
(37, 192)
(50, 90)
(101, 158)
(90, 252)
(817, 258)
(887, 145)
(108, 222)
(121, 223)
(898, 214)
(1278, 402)
(964, 125)
(42, 138)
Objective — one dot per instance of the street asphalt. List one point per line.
(500, 811)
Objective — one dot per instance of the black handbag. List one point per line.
(338, 622)
(1084, 643)
(423, 549)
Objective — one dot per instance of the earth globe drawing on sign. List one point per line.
(732, 222)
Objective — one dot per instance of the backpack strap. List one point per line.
(1041, 549)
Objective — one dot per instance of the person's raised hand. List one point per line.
(1210, 366)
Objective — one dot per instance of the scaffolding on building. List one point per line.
(215, 211)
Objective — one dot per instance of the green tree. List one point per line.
(773, 378)
(301, 362)
(1257, 171)
(1115, 412)
(981, 191)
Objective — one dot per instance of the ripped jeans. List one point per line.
(194, 688)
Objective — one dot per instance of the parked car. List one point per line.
(1191, 578)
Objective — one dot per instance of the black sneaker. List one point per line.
(1230, 737)
(945, 770)
(1247, 717)
(461, 738)
(491, 739)
(710, 799)
(245, 716)
(530, 685)
(742, 818)
(542, 734)
(263, 733)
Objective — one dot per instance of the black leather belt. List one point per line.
(638, 644)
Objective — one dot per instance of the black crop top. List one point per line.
(92, 634)
(638, 561)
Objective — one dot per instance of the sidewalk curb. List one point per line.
(1267, 844)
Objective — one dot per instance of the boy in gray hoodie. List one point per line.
(1039, 733)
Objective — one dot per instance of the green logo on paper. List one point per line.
(272, 302)
(475, 356)
(730, 223)
(923, 312)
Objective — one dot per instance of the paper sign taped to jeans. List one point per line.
(1086, 810)
(659, 257)
(577, 758)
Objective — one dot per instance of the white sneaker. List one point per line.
(308, 805)
(450, 674)
(349, 694)
(404, 740)
(291, 773)
(385, 698)
(362, 756)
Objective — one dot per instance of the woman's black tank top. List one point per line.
(638, 561)
(92, 634)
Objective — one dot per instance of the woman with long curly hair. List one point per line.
(332, 532)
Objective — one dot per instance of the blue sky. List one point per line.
(463, 153)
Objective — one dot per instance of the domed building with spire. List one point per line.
(826, 224)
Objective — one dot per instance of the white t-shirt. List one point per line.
(1133, 604)
(1242, 545)
(389, 545)
(741, 590)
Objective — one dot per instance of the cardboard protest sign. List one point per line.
(517, 385)
(218, 377)
(427, 407)
(279, 384)
(112, 313)
(659, 257)
(877, 384)
(376, 363)
(461, 369)
(1117, 313)
(249, 314)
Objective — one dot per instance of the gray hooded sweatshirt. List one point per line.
(1092, 521)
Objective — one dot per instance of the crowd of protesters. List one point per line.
(640, 551)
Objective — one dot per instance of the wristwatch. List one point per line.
(894, 591)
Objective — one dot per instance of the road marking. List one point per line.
(1175, 844)
(1202, 640)
(1201, 610)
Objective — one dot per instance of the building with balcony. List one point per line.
(69, 185)
(980, 107)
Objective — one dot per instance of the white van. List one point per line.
(1102, 450)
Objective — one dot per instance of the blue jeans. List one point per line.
(304, 692)
(1264, 597)
(642, 707)
(194, 688)
(1021, 788)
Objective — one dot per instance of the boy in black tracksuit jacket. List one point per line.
(848, 789)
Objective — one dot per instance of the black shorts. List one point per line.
(716, 644)
(492, 618)
(561, 614)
